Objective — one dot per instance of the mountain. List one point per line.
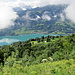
(47, 19)
(19, 9)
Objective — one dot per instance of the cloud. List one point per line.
(7, 16)
(35, 3)
(46, 16)
(27, 17)
(62, 17)
(70, 11)
(8, 41)
(38, 17)
(55, 16)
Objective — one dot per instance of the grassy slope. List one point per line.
(59, 67)
(63, 67)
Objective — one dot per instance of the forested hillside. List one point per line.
(47, 19)
(39, 56)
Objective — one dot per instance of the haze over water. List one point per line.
(7, 40)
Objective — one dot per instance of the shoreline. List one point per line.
(40, 33)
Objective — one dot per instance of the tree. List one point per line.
(48, 39)
(2, 56)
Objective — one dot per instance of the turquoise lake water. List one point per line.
(7, 40)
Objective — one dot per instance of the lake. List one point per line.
(7, 40)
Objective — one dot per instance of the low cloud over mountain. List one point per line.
(8, 15)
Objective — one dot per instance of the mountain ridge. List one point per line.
(47, 19)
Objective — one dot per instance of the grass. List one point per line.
(63, 67)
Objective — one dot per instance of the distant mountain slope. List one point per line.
(47, 19)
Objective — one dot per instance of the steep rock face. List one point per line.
(47, 19)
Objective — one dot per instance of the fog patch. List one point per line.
(8, 41)
(46, 16)
(7, 16)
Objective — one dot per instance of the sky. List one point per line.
(8, 15)
(17, 0)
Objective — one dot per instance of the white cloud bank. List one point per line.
(8, 41)
(70, 11)
(7, 16)
(27, 17)
(46, 16)
(62, 17)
